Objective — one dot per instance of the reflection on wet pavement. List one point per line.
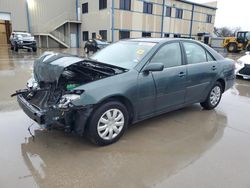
(190, 147)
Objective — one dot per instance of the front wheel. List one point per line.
(232, 47)
(15, 48)
(86, 50)
(34, 49)
(108, 123)
(213, 97)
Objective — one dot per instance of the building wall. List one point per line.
(46, 15)
(200, 15)
(17, 11)
(136, 21)
(96, 20)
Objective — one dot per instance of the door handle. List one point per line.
(214, 68)
(181, 74)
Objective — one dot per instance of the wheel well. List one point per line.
(126, 102)
(230, 43)
(222, 82)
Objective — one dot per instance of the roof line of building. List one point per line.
(198, 4)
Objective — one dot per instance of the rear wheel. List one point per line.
(213, 98)
(12, 47)
(108, 123)
(232, 47)
(248, 47)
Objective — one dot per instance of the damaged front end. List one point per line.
(51, 93)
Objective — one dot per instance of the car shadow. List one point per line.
(149, 152)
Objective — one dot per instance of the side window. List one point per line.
(209, 57)
(169, 55)
(195, 53)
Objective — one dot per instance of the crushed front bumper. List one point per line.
(40, 116)
(73, 119)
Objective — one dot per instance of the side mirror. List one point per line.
(153, 67)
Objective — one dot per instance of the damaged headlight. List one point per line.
(71, 97)
(66, 100)
(32, 83)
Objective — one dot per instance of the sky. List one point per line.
(231, 13)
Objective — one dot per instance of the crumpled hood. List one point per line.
(50, 66)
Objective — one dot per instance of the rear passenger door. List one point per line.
(201, 71)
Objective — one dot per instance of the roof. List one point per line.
(21, 33)
(155, 40)
(149, 39)
(198, 4)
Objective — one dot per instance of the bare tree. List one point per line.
(226, 31)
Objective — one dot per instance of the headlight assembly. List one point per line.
(66, 100)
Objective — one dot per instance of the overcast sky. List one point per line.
(231, 13)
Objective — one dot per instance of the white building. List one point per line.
(68, 23)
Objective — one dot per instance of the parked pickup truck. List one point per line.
(22, 40)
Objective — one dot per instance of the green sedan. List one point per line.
(124, 83)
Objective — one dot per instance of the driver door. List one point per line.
(171, 82)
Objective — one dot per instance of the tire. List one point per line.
(16, 48)
(213, 98)
(101, 128)
(232, 47)
(86, 50)
(34, 49)
(12, 47)
(29, 50)
(248, 47)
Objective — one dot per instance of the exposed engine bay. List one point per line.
(54, 85)
(45, 94)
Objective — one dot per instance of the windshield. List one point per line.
(101, 42)
(23, 34)
(248, 36)
(125, 54)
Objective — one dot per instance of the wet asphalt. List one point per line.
(190, 148)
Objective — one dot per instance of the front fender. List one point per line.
(119, 85)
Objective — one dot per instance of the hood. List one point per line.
(28, 38)
(50, 66)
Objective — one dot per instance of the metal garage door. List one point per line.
(5, 27)
(4, 16)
